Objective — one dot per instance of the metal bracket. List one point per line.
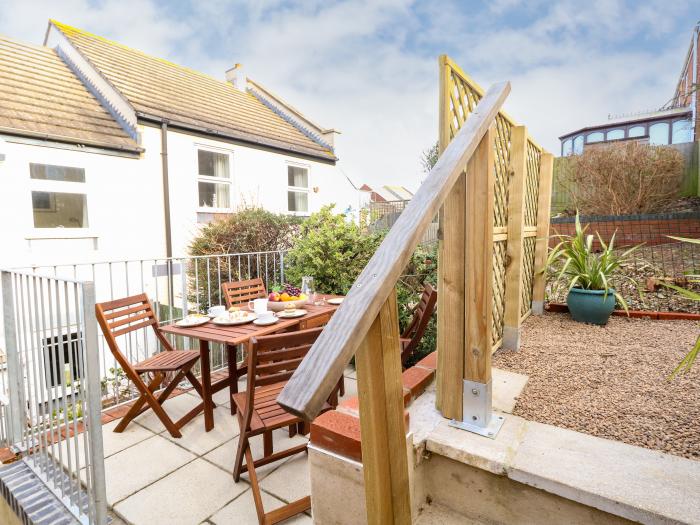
(477, 416)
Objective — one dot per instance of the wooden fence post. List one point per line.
(451, 305)
(542, 243)
(514, 251)
(383, 432)
(478, 269)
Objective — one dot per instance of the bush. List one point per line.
(332, 250)
(246, 231)
(625, 178)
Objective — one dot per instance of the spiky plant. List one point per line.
(574, 261)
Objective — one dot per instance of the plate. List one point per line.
(291, 315)
(265, 322)
(225, 321)
(192, 321)
(335, 300)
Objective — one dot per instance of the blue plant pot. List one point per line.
(590, 306)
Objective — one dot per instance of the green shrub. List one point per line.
(246, 231)
(332, 250)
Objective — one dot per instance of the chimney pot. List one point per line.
(236, 76)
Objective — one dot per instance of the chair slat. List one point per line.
(277, 366)
(131, 328)
(131, 319)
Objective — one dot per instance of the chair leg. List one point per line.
(135, 409)
(194, 382)
(253, 478)
(342, 386)
(242, 443)
(268, 448)
(162, 415)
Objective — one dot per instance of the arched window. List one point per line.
(596, 136)
(566, 148)
(682, 131)
(636, 131)
(658, 134)
(578, 145)
(615, 134)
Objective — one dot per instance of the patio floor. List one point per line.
(155, 479)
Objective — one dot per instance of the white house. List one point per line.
(108, 153)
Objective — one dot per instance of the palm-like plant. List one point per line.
(574, 261)
(688, 361)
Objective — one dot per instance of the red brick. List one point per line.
(429, 361)
(338, 433)
(417, 379)
(350, 406)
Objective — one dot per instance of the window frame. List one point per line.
(214, 180)
(299, 189)
(59, 186)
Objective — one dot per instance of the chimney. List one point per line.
(237, 77)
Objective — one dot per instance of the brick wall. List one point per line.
(649, 229)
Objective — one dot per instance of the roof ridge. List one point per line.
(83, 32)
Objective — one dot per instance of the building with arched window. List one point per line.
(677, 122)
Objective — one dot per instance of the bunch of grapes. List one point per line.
(293, 291)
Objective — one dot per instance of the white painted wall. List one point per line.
(125, 197)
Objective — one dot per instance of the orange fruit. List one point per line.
(285, 297)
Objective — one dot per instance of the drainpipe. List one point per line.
(166, 209)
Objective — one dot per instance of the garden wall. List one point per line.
(650, 229)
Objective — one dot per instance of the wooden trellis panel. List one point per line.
(459, 99)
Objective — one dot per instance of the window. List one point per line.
(658, 134)
(596, 136)
(54, 205)
(214, 179)
(65, 363)
(566, 148)
(298, 191)
(615, 134)
(578, 145)
(636, 131)
(682, 132)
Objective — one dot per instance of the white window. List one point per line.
(58, 196)
(682, 131)
(615, 134)
(578, 145)
(636, 131)
(298, 189)
(567, 148)
(596, 136)
(214, 179)
(658, 134)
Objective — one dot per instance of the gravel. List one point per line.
(611, 381)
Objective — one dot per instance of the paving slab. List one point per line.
(290, 481)
(185, 497)
(141, 465)
(241, 511)
(197, 440)
(507, 386)
(224, 456)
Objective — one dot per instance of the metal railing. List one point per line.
(176, 286)
(53, 387)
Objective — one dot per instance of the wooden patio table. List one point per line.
(236, 335)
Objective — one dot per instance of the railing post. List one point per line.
(478, 268)
(15, 382)
(94, 408)
(384, 452)
(542, 242)
(514, 250)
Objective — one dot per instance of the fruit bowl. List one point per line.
(278, 306)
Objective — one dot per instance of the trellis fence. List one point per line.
(521, 192)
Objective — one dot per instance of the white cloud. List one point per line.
(369, 68)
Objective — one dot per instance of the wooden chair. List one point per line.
(239, 293)
(272, 360)
(122, 316)
(413, 333)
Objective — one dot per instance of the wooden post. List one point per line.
(451, 305)
(544, 203)
(514, 252)
(478, 261)
(383, 432)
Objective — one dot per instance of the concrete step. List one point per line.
(435, 514)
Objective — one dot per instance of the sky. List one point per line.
(369, 69)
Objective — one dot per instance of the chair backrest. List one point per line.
(421, 317)
(238, 293)
(315, 322)
(122, 316)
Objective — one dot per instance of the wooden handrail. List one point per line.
(318, 373)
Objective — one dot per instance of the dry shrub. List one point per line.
(625, 178)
